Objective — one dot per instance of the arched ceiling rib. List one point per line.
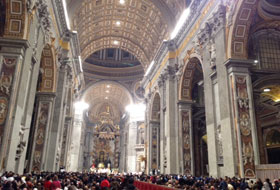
(142, 25)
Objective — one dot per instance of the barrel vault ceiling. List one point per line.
(136, 26)
(132, 28)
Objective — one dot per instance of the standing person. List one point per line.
(276, 185)
(48, 183)
(267, 185)
(55, 184)
(258, 185)
(105, 183)
(130, 185)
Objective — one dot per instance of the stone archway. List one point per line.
(267, 110)
(192, 119)
(42, 117)
(186, 86)
(106, 125)
(47, 73)
(240, 17)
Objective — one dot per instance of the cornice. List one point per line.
(162, 53)
(195, 11)
(65, 33)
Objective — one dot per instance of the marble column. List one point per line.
(147, 136)
(54, 146)
(67, 109)
(75, 147)
(123, 145)
(186, 135)
(131, 151)
(162, 143)
(170, 122)
(243, 116)
(65, 141)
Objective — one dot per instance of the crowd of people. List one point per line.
(205, 183)
(73, 181)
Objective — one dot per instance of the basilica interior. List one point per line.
(155, 86)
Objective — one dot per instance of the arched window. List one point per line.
(273, 146)
(273, 138)
(265, 47)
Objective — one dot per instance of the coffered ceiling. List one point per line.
(136, 26)
(108, 92)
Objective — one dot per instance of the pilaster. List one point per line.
(186, 146)
(131, 151)
(243, 116)
(154, 140)
(75, 147)
(169, 120)
(54, 145)
(162, 141)
(12, 57)
(40, 130)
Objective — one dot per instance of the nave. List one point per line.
(160, 87)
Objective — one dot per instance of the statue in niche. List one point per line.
(212, 51)
(197, 47)
(248, 153)
(42, 118)
(3, 110)
(6, 82)
(22, 142)
(231, 6)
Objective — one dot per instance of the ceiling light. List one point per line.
(180, 23)
(118, 23)
(266, 90)
(116, 42)
(106, 98)
(107, 91)
(122, 2)
(256, 61)
(108, 86)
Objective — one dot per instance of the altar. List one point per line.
(106, 141)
